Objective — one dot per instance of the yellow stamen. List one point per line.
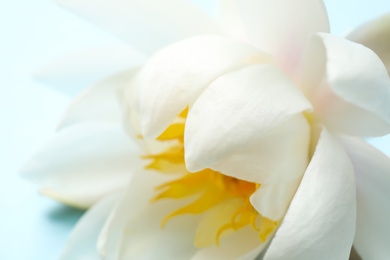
(267, 227)
(214, 191)
(184, 113)
(174, 155)
(174, 131)
(206, 201)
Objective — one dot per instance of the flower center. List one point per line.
(223, 201)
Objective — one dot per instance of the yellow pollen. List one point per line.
(210, 190)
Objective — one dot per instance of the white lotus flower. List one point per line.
(268, 135)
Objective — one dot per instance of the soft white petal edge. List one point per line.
(355, 79)
(84, 163)
(82, 241)
(372, 169)
(272, 200)
(320, 222)
(280, 154)
(237, 109)
(283, 28)
(75, 71)
(147, 25)
(99, 103)
(375, 35)
(175, 76)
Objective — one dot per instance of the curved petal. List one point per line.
(176, 76)
(283, 28)
(272, 200)
(376, 36)
(239, 112)
(243, 244)
(82, 241)
(320, 222)
(131, 120)
(147, 25)
(98, 103)
(84, 163)
(77, 70)
(356, 89)
(134, 230)
(261, 160)
(372, 169)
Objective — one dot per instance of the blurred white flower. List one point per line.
(273, 106)
(376, 36)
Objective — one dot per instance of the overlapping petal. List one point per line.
(376, 36)
(134, 231)
(84, 163)
(283, 28)
(99, 103)
(244, 244)
(320, 222)
(348, 85)
(81, 243)
(372, 169)
(272, 200)
(281, 153)
(181, 72)
(77, 70)
(147, 25)
(235, 108)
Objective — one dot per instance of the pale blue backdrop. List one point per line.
(31, 33)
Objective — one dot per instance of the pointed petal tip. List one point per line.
(191, 164)
(67, 200)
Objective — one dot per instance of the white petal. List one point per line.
(147, 25)
(280, 154)
(320, 222)
(242, 244)
(283, 28)
(84, 163)
(82, 242)
(376, 36)
(131, 120)
(230, 19)
(272, 200)
(356, 91)
(78, 70)
(238, 113)
(372, 169)
(129, 101)
(98, 103)
(134, 231)
(175, 77)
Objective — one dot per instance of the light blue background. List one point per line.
(32, 33)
